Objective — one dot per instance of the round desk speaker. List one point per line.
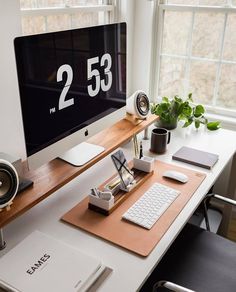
(9, 183)
(138, 105)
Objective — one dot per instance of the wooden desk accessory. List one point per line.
(107, 207)
(133, 119)
(139, 172)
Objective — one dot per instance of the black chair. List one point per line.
(198, 260)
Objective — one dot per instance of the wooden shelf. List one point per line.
(55, 174)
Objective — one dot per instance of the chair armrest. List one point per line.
(219, 198)
(171, 286)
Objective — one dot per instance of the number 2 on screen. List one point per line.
(68, 70)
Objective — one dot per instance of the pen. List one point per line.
(95, 192)
(135, 146)
(141, 150)
(114, 184)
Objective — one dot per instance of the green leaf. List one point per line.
(163, 108)
(181, 117)
(180, 109)
(197, 124)
(190, 97)
(198, 111)
(178, 99)
(187, 110)
(174, 108)
(212, 126)
(154, 108)
(188, 122)
(165, 99)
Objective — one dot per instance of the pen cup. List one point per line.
(103, 204)
(145, 164)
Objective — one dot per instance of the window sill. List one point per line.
(226, 122)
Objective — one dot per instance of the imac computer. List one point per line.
(72, 85)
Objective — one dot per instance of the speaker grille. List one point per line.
(142, 103)
(8, 183)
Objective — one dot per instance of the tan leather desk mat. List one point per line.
(128, 235)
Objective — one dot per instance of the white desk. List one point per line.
(129, 270)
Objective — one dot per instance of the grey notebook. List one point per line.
(196, 157)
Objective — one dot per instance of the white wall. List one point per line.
(142, 40)
(139, 17)
(11, 134)
(127, 12)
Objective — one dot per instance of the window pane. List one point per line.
(27, 4)
(171, 76)
(176, 32)
(207, 33)
(230, 39)
(56, 3)
(50, 3)
(33, 25)
(227, 89)
(213, 2)
(184, 2)
(58, 22)
(200, 2)
(84, 2)
(84, 19)
(202, 81)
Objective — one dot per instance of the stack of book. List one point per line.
(42, 263)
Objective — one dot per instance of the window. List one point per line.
(196, 52)
(40, 16)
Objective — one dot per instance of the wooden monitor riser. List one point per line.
(55, 174)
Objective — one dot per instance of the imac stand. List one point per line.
(82, 153)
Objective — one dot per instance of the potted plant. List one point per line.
(170, 111)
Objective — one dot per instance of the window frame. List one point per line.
(157, 51)
(108, 6)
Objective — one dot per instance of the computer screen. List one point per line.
(72, 84)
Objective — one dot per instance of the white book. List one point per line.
(42, 263)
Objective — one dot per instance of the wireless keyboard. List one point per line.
(151, 205)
